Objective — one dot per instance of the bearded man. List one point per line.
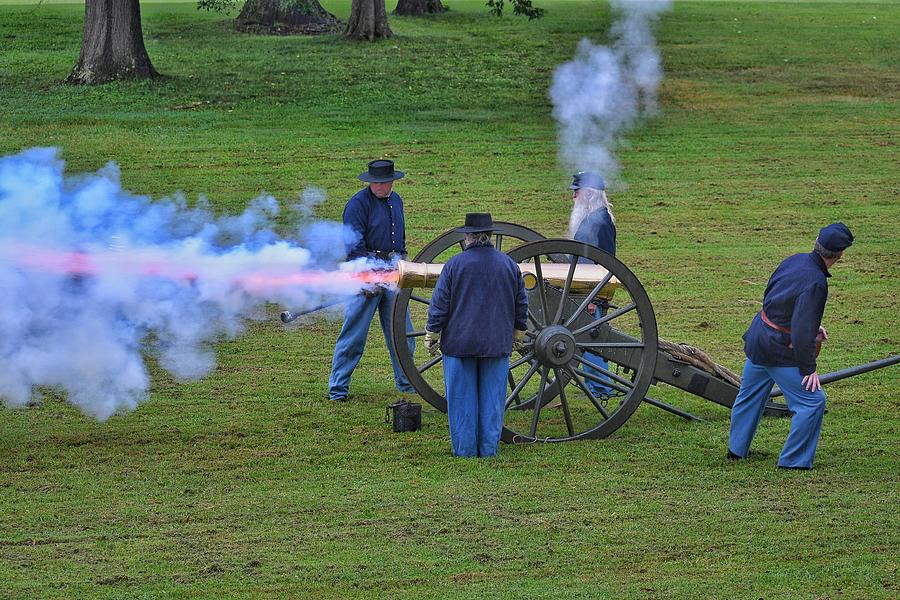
(592, 222)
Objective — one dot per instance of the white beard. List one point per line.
(579, 211)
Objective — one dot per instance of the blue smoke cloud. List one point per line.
(89, 271)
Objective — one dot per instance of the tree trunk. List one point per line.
(287, 16)
(368, 20)
(113, 45)
(419, 7)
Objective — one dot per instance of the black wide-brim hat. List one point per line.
(381, 171)
(477, 223)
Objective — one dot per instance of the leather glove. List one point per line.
(433, 342)
(519, 341)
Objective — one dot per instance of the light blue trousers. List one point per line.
(351, 341)
(597, 388)
(476, 398)
(806, 424)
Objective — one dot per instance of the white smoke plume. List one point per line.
(605, 90)
(93, 278)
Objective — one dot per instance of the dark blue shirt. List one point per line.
(478, 300)
(379, 222)
(794, 299)
(598, 229)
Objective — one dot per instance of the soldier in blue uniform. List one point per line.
(478, 311)
(376, 214)
(781, 347)
(592, 222)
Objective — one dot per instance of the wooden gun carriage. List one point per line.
(549, 397)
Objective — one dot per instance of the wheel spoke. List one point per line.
(515, 392)
(537, 401)
(430, 363)
(540, 282)
(584, 388)
(607, 318)
(565, 405)
(533, 319)
(526, 358)
(587, 299)
(512, 385)
(565, 292)
(607, 372)
(498, 244)
(606, 382)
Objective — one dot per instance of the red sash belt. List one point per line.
(776, 327)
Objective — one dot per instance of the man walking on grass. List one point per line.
(781, 347)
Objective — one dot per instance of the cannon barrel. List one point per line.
(585, 276)
(850, 372)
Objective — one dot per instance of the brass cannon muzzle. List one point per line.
(585, 278)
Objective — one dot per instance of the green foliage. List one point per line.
(224, 6)
(520, 7)
(775, 118)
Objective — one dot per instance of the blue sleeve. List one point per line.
(440, 302)
(403, 249)
(521, 302)
(808, 310)
(355, 217)
(608, 238)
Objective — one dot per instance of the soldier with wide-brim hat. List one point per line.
(375, 214)
(477, 223)
(381, 171)
(477, 314)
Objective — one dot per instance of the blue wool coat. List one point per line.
(378, 221)
(795, 299)
(598, 230)
(478, 300)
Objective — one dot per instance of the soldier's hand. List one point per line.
(371, 293)
(519, 341)
(591, 309)
(433, 342)
(822, 335)
(811, 382)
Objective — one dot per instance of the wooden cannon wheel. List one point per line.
(426, 376)
(550, 397)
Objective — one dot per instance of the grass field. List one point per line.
(776, 119)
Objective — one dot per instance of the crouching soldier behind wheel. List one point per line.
(478, 311)
(782, 345)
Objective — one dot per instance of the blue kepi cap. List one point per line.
(835, 237)
(586, 179)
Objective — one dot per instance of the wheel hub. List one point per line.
(554, 346)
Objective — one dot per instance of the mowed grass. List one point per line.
(775, 119)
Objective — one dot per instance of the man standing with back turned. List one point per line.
(478, 311)
(781, 347)
(376, 214)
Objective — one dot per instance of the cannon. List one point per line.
(549, 397)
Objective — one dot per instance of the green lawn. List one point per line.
(776, 119)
